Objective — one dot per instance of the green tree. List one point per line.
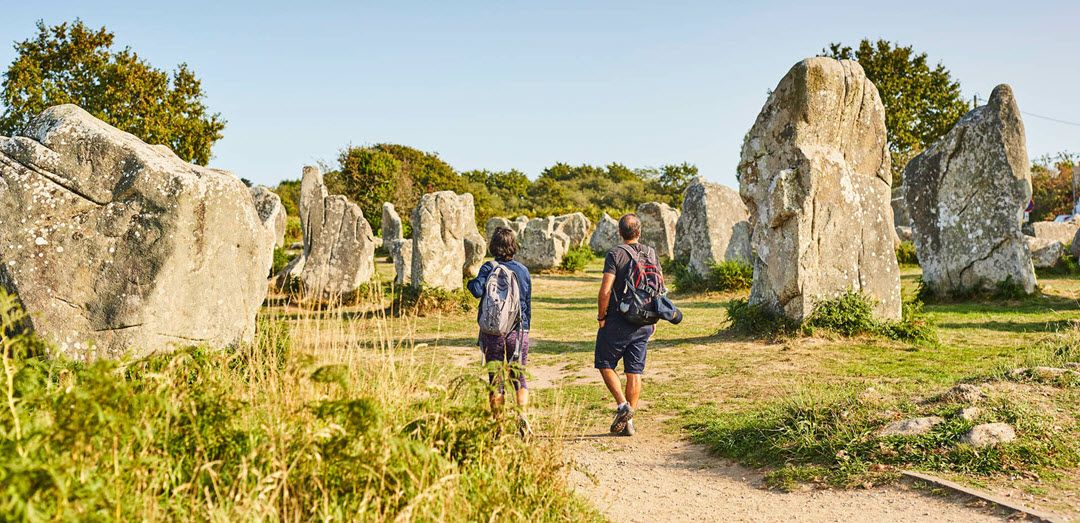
(1051, 185)
(368, 178)
(921, 102)
(72, 63)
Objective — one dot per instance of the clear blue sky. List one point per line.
(516, 84)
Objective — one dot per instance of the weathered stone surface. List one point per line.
(901, 216)
(911, 426)
(970, 413)
(815, 177)
(967, 195)
(989, 435)
(712, 228)
(658, 221)
(1060, 231)
(904, 233)
(401, 253)
(271, 212)
(339, 245)
(115, 247)
(439, 232)
(543, 245)
(606, 236)
(1045, 252)
(575, 226)
(391, 224)
(1074, 248)
(475, 245)
(964, 393)
(494, 223)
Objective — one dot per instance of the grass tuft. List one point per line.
(576, 259)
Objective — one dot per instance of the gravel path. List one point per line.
(655, 476)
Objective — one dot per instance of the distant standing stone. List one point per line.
(271, 212)
(815, 176)
(1045, 252)
(712, 228)
(543, 245)
(658, 221)
(391, 224)
(606, 235)
(576, 227)
(967, 195)
(339, 245)
(475, 245)
(438, 251)
(493, 225)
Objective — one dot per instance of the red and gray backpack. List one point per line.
(644, 284)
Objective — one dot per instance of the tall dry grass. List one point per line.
(333, 413)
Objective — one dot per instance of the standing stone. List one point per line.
(391, 224)
(543, 245)
(1045, 252)
(1074, 249)
(575, 226)
(967, 195)
(339, 245)
(815, 177)
(658, 222)
(115, 247)
(271, 212)
(712, 228)
(438, 251)
(606, 236)
(494, 223)
(1060, 231)
(901, 216)
(475, 246)
(401, 253)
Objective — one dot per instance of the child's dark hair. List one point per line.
(503, 244)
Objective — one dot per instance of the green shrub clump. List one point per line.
(849, 314)
(577, 258)
(905, 254)
(427, 301)
(281, 259)
(725, 276)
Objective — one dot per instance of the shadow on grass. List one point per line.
(1010, 326)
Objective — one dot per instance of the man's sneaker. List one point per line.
(623, 415)
(628, 430)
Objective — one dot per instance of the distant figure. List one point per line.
(505, 292)
(619, 338)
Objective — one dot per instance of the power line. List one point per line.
(1051, 119)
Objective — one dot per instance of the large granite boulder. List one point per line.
(475, 244)
(901, 216)
(967, 194)
(339, 245)
(438, 249)
(1060, 231)
(542, 245)
(1045, 252)
(391, 227)
(658, 221)
(271, 212)
(575, 226)
(815, 177)
(116, 247)
(712, 228)
(606, 236)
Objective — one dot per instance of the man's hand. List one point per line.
(602, 323)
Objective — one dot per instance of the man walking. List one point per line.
(617, 338)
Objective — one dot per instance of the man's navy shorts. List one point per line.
(619, 340)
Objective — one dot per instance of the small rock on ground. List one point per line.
(911, 426)
(989, 434)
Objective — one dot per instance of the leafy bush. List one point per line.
(576, 259)
(905, 254)
(833, 437)
(850, 314)
(723, 277)
(294, 231)
(281, 259)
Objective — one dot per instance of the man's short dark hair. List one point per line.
(503, 244)
(629, 227)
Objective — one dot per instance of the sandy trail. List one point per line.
(656, 476)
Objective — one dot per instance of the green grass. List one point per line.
(725, 276)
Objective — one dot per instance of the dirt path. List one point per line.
(655, 476)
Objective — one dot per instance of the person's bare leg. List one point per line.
(633, 389)
(611, 379)
(523, 397)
